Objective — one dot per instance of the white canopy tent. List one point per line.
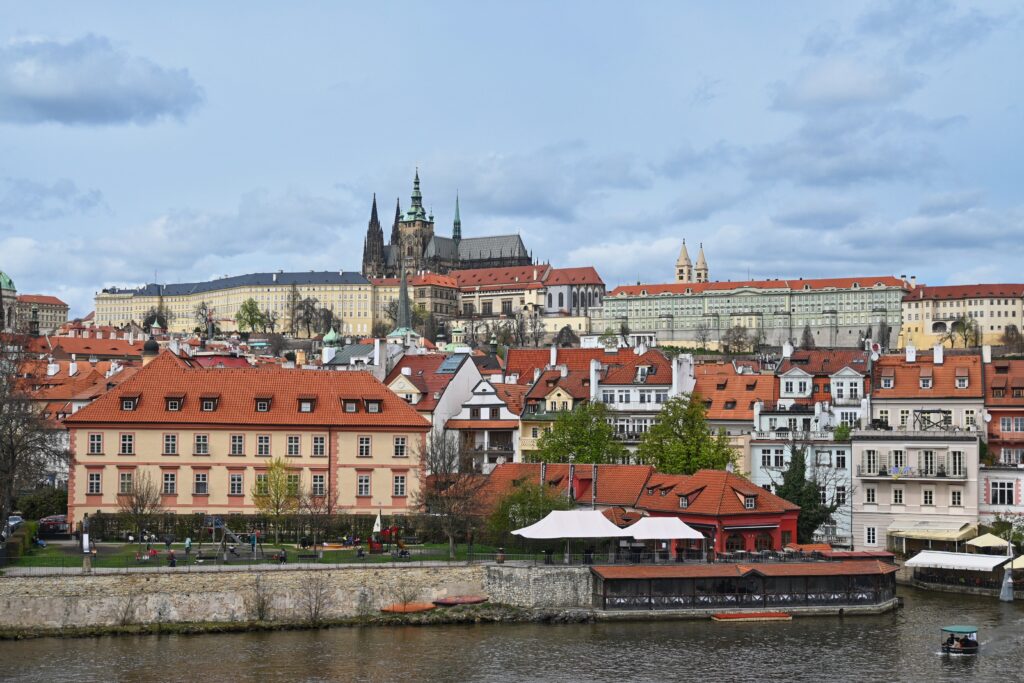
(663, 529)
(572, 524)
(987, 541)
(936, 559)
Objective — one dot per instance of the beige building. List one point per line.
(929, 313)
(348, 295)
(40, 313)
(206, 437)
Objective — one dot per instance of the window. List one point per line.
(293, 445)
(128, 404)
(399, 446)
(202, 444)
(263, 444)
(870, 462)
(506, 306)
(897, 495)
(124, 484)
(869, 494)
(237, 444)
(870, 536)
(474, 413)
(928, 496)
(202, 484)
(926, 382)
(956, 498)
(927, 463)
(623, 396)
(1005, 424)
(766, 458)
(127, 444)
(970, 418)
(487, 307)
(1018, 424)
(899, 459)
(94, 483)
(319, 445)
(789, 387)
(684, 502)
(95, 444)
(749, 502)
(170, 484)
(292, 482)
(262, 406)
(173, 404)
(170, 444)
(961, 382)
(883, 416)
(209, 405)
(887, 382)
(1002, 493)
(854, 390)
(496, 412)
(319, 487)
(363, 485)
(398, 486)
(840, 460)
(904, 417)
(534, 432)
(780, 457)
(607, 396)
(305, 406)
(350, 406)
(235, 484)
(957, 464)
(823, 495)
(364, 447)
(262, 486)
(839, 390)
(645, 397)
(661, 397)
(840, 495)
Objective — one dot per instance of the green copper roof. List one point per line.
(416, 212)
(6, 282)
(331, 337)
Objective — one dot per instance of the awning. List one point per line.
(663, 529)
(998, 382)
(926, 371)
(572, 524)
(971, 562)
(933, 530)
(888, 372)
(987, 541)
(1018, 563)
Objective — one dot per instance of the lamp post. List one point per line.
(1006, 590)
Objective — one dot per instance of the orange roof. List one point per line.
(86, 347)
(620, 365)
(731, 394)
(709, 492)
(907, 376)
(926, 293)
(616, 484)
(621, 517)
(1006, 375)
(44, 299)
(573, 276)
(811, 547)
(793, 285)
(726, 570)
(825, 362)
(518, 277)
(424, 376)
(576, 384)
(238, 389)
(512, 395)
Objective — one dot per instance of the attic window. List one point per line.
(749, 502)
(351, 407)
(926, 382)
(373, 406)
(129, 402)
(887, 382)
(722, 385)
(174, 404)
(664, 492)
(730, 405)
(262, 405)
(209, 405)
(684, 502)
(752, 385)
(306, 405)
(650, 490)
(707, 404)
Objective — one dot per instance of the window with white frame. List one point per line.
(170, 487)
(263, 444)
(170, 444)
(883, 416)
(400, 447)
(1002, 493)
(840, 460)
(870, 462)
(956, 498)
(897, 495)
(749, 502)
(887, 382)
(927, 462)
(970, 418)
(319, 445)
(623, 396)
(398, 486)
(957, 464)
(173, 405)
(237, 444)
(202, 444)
(766, 457)
(124, 483)
(127, 444)
(235, 484)
(928, 496)
(904, 417)
(788, 386)
(319, 486)
(364, 447)
(607, 396)
(95, 444)
(95, 482)
(961, 382)
(869, 494)
(293, 444)
(363, 485)
(262, 406)
(202, 484)
(840, 495)
(780, 457)
(899, 459)
(208, 405)
(128, 404)
(926, 382)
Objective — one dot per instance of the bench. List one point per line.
(308, 556)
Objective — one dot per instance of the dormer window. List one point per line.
(650, 491)
(887, 382)
(306, 405)
(961, 382)
(664, 492)
(262, 405)
(129, 402)
(926, 382)
(373, 406)
(730, 405)
(351, 407)
(208, 405)
(174, 404)
(684, 502)
(749, 502)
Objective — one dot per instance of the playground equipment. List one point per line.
(220, 534)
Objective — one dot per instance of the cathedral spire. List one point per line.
(457, 224)
(373, 245)
(395, 234)
(417, 196)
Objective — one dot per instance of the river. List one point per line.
(900, 646)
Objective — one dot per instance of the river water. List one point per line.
(900, 646)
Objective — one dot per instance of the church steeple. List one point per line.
(416, 211)
(684, 267)
(700, 272)
(404, 321)
(396, 235)
(457, 224)
(373, 245)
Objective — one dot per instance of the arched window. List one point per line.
(733, 543)
(575, 299)
(549, 301)
(561, 300)
(939, 327)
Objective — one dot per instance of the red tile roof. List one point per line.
(616, 484)
(814, 284)
(239, 389)
(513, 395)
(220, 361)
(907, 376)
(576, 384)
(726, 570)
(720, 384)
(424, 376)
(710, 492)
(825, 362)
(44, 299)
(620, 365)
(519, 277)
(85, 348)
(1006, 375)
(573, 276)
(926, 293)
(418, 280)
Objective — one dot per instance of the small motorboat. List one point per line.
(960, 640)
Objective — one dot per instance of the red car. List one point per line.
(54, 524)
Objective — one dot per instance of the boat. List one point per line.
(456, 600)
(960, 640)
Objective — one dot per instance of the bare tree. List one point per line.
(315, 597)
(319, 508)
(1012, 339)
(270, 318)
(702, 334)
(276, 344)
(292, 307)
(274, 493)
(536, 330)
(140, 502)
(203, 315)
(29, 445)
(519, 328)
(452, 490)
(258, 601)
(159, 315)
(736, 340)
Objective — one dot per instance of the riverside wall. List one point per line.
(288, 596)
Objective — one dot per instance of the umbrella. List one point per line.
(663, 529)
(572, 524)
(987, 541)
(377, 524)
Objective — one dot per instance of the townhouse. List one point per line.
(487, 425)
(1001, 477)
(435, 385)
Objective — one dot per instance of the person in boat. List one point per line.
(968, 643)
(951, 641)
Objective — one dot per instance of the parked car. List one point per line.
(54, 524)
(14, 521)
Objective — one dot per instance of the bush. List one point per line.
(43, 503)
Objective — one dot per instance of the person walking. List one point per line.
(188, 547)
(171, 559)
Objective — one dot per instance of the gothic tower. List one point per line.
(700, 272)
(373, 246)
(396, 236)
(415, 230)
(457, 224)
(684, 268)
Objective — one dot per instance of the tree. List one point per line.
(276, 343)
(159, 315)
(452, 491)
(609, 339)
(527, 503)
(582, 435)
(270, 318)
(807, 338)
(309, 314)
(275, 493)
(381, 329)
(292, 308)
(965, 330)
(536, 330)
(806, 493)
(736, 340)
(319, 508)
(680, 441)
(249, 316)
(140, 503)
(29, 447)
(43, 502)
(702, 334)
(416, 314)
(1012, 339)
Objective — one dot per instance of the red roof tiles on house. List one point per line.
(982, 291)
(573, 276)
(730, 393)
(709, 492)
(43, 299)
(825, 362)
(907, 376)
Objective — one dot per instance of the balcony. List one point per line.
(846, 401)
(939, 473)
(791, 435)
(897, 434)
(629, 437)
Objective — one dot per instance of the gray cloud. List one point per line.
(25, 199)
(925, 30)
(836, 83)
(686, 159)
(89, 81)
(822, 216)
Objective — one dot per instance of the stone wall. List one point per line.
(544, 587)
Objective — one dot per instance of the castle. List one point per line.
(686, 272)
(415, 248)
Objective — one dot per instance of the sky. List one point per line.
(184, 141)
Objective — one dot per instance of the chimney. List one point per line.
(536, 374)
(554, 356)
(595, 367)
(787, 350)
(376, 352)
(911, 353)
(564, 370)
(937, 354)
(986, 353)
(73, 366)
(913, 281)
(52, 368)
(327, 354)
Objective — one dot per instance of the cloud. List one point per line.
(821, 216)
(705, 92)
(835, 83)
(25, 199)
(925, 30)
(686, 159)
(89, 81)
(950, 202)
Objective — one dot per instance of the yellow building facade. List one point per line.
(929, 313)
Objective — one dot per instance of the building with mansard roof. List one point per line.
(414, 246)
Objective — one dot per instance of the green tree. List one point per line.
(842, 432)
(527, 503)
(43, 502)
(275, 494)
(582, 434)
(249, 316)
(680, 442)
(799, 490)
(292, 308)
(159, 315)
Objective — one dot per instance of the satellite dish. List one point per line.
(988, 417)
(874, 356)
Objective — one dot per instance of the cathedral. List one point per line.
(414, 247)
(685, 272)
